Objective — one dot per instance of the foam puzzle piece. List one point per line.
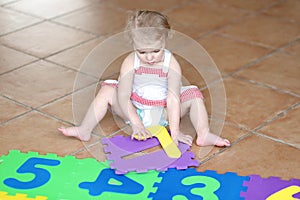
(5, 196)
(166, 141)
(164, 138)
(191, 184)
(66, 179)
(120, 146)
(267, 187)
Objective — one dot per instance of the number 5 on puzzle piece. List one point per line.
(165, 140)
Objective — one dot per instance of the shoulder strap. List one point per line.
(167, 60)
(136, 61)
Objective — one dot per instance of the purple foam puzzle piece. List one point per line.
(119, 146)
(261, 188)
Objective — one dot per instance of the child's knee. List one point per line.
(191, 94)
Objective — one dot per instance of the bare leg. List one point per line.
(97, 110)
(199, 119)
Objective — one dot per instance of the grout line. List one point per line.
(65, 95)
(22, 28)
(277, 116)
(266, 85)
(225, 148)
(277, 140)
(20, 50)
(75, 28)
(72, 47)
(22, 12)
(53, 117)
(15, 117)
(245, 41)
(17, 68)
(16, 102)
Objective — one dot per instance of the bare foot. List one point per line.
(75, 132)
(212, 139)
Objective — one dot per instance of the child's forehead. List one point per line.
(148, 45)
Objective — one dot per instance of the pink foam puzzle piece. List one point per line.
(120, 146)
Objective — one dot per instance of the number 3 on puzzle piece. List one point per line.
(165, 140)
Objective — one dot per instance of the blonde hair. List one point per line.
(151, 25)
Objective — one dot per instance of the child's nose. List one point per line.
(149, 56)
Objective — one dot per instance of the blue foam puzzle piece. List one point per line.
(190, 184)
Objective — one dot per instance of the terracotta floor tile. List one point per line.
(75, 56)
(93, 151)
(253, 5)
(61, 109)
(73, 108)
(35, 132)
(113, 70)
(266, 30)
(38, 83)
(10, 109)
(286, 9)
(205, 17)
(48, 8)
(225, 51)
(190, 31)
(148, 5)
(280, 70)
(225, 131)
(197, 65)
(101, 19)
(11, 59)
(44, 40)
(294, 49)
(249, 105)
(190, 74)
(11, 21)
(285, 128)
(257, 155)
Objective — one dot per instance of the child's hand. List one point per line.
(141, 132)
(180, 137)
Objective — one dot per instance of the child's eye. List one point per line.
(141, 52)
(156, 51)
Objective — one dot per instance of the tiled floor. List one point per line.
(255, 44)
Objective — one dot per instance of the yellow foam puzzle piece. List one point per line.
(286, 193)
(4, 196)
(165, 140)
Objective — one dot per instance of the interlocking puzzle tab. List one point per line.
(4, 196)
(272, 188)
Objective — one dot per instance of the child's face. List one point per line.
(151, 53)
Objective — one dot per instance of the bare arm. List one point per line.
(173, 103)
(124, 93)
(173, 98)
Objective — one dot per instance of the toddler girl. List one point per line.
(149, 90)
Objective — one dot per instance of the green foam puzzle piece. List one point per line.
(66, 177)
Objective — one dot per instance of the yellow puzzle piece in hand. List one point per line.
(165, 140)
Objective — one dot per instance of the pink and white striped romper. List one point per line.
(150, 90)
